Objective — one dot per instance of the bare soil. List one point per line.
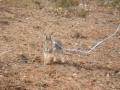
(21, 49)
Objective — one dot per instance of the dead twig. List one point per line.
(95, 46)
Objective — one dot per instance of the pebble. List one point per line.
(75, 75)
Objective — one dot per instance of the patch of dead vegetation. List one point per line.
(68, 8)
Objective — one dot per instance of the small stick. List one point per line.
(94, 47)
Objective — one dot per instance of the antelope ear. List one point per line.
(44, 35)
(48, 37)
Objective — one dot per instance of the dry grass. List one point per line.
(37, 4)
(116, 4)
(69, 8)
(23, 69)
(71, 12)
(110, 3)
(66, 3)
(80, 12)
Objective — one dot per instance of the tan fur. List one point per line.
(48, 58)
(52, 54)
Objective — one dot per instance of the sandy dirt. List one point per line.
(21, 49)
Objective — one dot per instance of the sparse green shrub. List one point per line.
(116, 4)
(69, 8)
(66, 3)
(82, 13)
(79, 12)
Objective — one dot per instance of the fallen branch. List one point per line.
(95, 46)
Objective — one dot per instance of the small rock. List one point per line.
(107, 75)
(75, 75)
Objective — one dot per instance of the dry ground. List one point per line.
(21, 67)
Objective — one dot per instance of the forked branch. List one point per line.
(96, 45)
